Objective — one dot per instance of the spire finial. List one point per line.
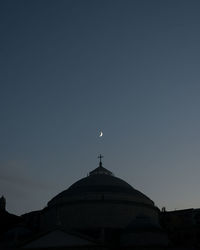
(100, 170)
(100, 162)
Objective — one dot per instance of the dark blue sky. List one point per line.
(72, 68)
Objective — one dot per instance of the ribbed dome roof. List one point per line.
(101, 182)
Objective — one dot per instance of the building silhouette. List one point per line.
(100, 211)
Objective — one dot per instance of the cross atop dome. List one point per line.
(100, 162)
(100, 169)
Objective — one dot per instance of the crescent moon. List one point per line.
(101, 134)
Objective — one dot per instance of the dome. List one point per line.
(99, 200)
(101, 181)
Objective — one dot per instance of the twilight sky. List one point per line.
(69, 69)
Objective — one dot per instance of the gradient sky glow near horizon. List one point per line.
(69, 69)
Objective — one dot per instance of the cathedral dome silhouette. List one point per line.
(99, 200)
(101, 181)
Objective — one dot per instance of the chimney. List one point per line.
(2, 203)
